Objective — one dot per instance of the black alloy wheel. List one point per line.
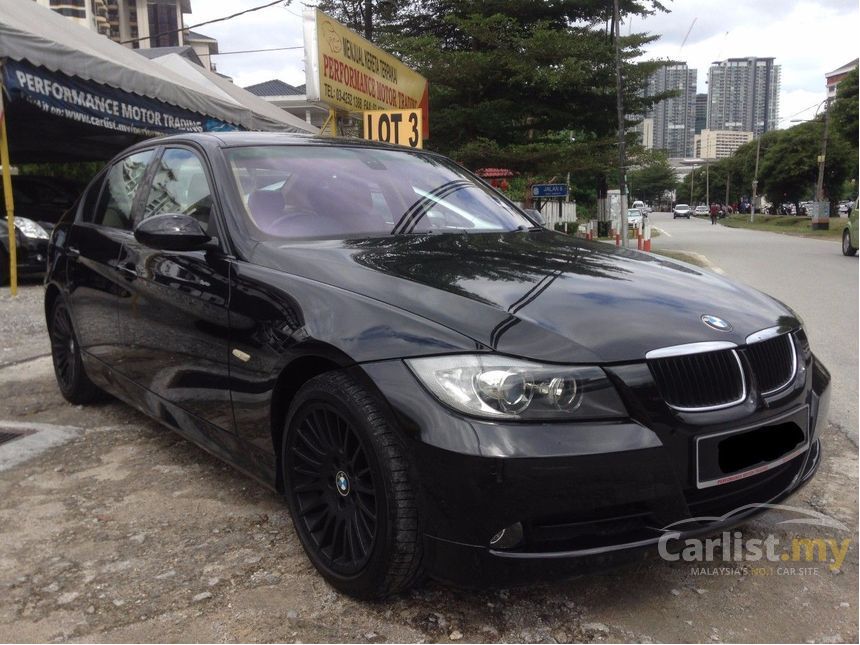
(350, 488)
(331, 479)
(74, 384)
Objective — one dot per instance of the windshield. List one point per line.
(632, 212)
(339, 191)
(682, 206)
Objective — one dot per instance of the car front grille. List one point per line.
(773, 362)
(708, 380)
(716, 379)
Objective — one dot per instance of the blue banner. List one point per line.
(100, 105)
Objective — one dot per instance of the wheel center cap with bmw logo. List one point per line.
(341, 482)
(715, 322)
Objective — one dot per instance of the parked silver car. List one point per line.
(635, 217)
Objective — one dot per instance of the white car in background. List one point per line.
(681, 210)
(642, 207)
(701, 209)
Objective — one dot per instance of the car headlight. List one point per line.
(31, 229)
(498, 387)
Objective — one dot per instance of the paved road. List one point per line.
(809, 275)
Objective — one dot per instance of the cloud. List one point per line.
(806, 38)
(275, 26)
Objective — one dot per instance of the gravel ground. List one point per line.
(23, 324)
(128, 533)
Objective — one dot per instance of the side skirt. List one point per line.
(226, 446)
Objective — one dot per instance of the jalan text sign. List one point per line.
(549, 190)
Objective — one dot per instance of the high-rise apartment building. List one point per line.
(138, 23)
(673, 119)
(701, 113)
(743, 95)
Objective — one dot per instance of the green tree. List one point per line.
(789, 169)
(365, 17)
(844, 127)
(845, 117)
(652, 179)
(512, 82)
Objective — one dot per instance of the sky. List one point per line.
(806, 37)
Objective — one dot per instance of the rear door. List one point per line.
(96, 285)
(175, 325)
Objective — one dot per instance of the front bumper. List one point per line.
(31, 255)
(586, 495)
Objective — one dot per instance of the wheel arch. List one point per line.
(52, 293)
(311, 363)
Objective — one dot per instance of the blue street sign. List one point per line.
(549, 190)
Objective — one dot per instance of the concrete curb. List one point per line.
(44, 436)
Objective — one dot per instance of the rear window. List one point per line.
(328, 191)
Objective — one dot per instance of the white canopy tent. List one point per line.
(33, 37)
(71, 94)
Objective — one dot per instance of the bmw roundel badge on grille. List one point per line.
(715, 322)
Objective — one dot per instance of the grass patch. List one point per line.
(788, 224)
(682, 256)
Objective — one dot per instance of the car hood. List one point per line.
(537, 294)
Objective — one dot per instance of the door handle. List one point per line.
(72, 252)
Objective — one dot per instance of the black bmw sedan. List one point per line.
(436, 384)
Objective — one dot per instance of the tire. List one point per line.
(350, 489)
(847, 249)
(72, 379)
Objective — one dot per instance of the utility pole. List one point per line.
(707, 184)
(819, 187)
(755, 178)
(619, 96)
(692, 179)
(728, 182)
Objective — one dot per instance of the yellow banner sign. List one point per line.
(400, 127)
(349, 74)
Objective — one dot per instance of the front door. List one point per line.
(175, 325)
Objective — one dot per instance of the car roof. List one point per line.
(241, 138)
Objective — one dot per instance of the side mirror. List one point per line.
(535, 214)
(171, 232)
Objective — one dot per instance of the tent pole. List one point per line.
(10, 204)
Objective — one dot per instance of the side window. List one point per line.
(121, 184)
(88, 208)
(179, 185)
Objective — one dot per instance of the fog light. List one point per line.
(508, 538)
